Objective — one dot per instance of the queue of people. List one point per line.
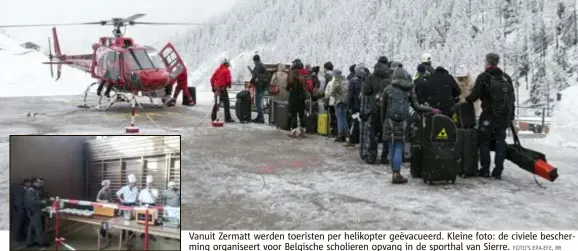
(367, 108)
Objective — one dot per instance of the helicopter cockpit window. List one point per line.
(136, 60)
(157, 60)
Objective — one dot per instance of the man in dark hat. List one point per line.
(261, 82)
(496, 90)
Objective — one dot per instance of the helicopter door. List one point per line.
(172, 60)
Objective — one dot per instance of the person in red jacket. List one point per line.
(182, 84)
(220, 81)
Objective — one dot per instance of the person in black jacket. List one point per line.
(353, 92)
(496, 90)
(443, 91)
(420, 83)
(261, 83)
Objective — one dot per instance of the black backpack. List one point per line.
(501, 93)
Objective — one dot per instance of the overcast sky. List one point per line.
(78, 39)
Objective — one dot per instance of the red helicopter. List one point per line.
(124, 67)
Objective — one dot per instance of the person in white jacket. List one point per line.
(148, 196)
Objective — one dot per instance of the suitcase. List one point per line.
(312, 118)
(193, 93)
(243, 106)
(464, 115)
(281, 113)
(468, 152)
(323, 124)
(415, 161)
(439, 160)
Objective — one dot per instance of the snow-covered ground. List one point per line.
(247, 176)
(24, 75)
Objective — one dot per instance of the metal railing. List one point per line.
(537, 120)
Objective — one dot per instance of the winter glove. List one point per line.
(436, 111)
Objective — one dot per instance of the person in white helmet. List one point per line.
(148, 196)
(426, 61)
(172, 196)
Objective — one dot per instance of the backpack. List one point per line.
(397, 105)
(308, 82)
(501, 93)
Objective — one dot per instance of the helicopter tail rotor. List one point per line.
(50, 56)
(57, 58)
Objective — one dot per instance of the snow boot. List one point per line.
(497, 173)
(340, 138)
(397, 178)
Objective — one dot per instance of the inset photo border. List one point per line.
(91, 192)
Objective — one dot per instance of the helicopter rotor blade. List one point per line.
(133, 17)
(161, 23)
(42, 25)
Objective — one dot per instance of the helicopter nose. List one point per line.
(153, 79)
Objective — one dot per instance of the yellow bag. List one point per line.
(323, 124)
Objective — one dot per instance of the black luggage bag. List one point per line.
(438, 149)
(468, 152)
(464, 115)
(281, 115)
(243, 106)
(311, 121)
(193, 93)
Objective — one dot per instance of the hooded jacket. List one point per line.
(400, 81)
(260, 76)
(280, 78)
(379, 79)
(443, 91)
(221, 77)
(481, 89)
(354, 89)
(339, 88)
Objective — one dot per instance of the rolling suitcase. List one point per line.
(468, 152)
(193, 93)
(323, 124)
(464, 115)
(281, 113)
(312, 119)
(439, 143)
(243, 106)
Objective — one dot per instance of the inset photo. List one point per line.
(95, 192)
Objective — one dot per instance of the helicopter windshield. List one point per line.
(157, 60)
(137, 60)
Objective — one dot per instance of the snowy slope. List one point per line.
(457, 33)
(564, 128)
(25, 75)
